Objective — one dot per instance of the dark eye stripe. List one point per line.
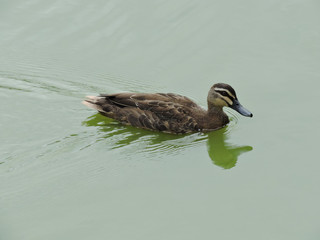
(225, 94)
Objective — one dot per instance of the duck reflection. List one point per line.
(222, 154)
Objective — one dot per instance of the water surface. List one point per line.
(69, 173)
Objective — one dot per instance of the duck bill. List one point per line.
(240, 109)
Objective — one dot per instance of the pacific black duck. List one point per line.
(169, 112)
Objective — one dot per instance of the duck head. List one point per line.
(223, 95)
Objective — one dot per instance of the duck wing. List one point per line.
(141, 99)
(161, 112)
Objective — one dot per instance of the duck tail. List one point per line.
(93, 102)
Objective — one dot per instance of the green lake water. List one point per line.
(68, 173)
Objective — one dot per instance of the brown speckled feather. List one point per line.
(134, 99)
(160, 112)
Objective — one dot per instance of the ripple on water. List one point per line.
(70, 80)
(138, 140)
(234, 119)
(133, 141)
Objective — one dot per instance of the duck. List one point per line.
(169, 112)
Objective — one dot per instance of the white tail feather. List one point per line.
(93, 102)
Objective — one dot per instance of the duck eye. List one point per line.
(223, 93)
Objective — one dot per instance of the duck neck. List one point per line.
(217, 113)
(214, 110)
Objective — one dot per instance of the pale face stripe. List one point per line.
(226, 90)
(227, 100)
